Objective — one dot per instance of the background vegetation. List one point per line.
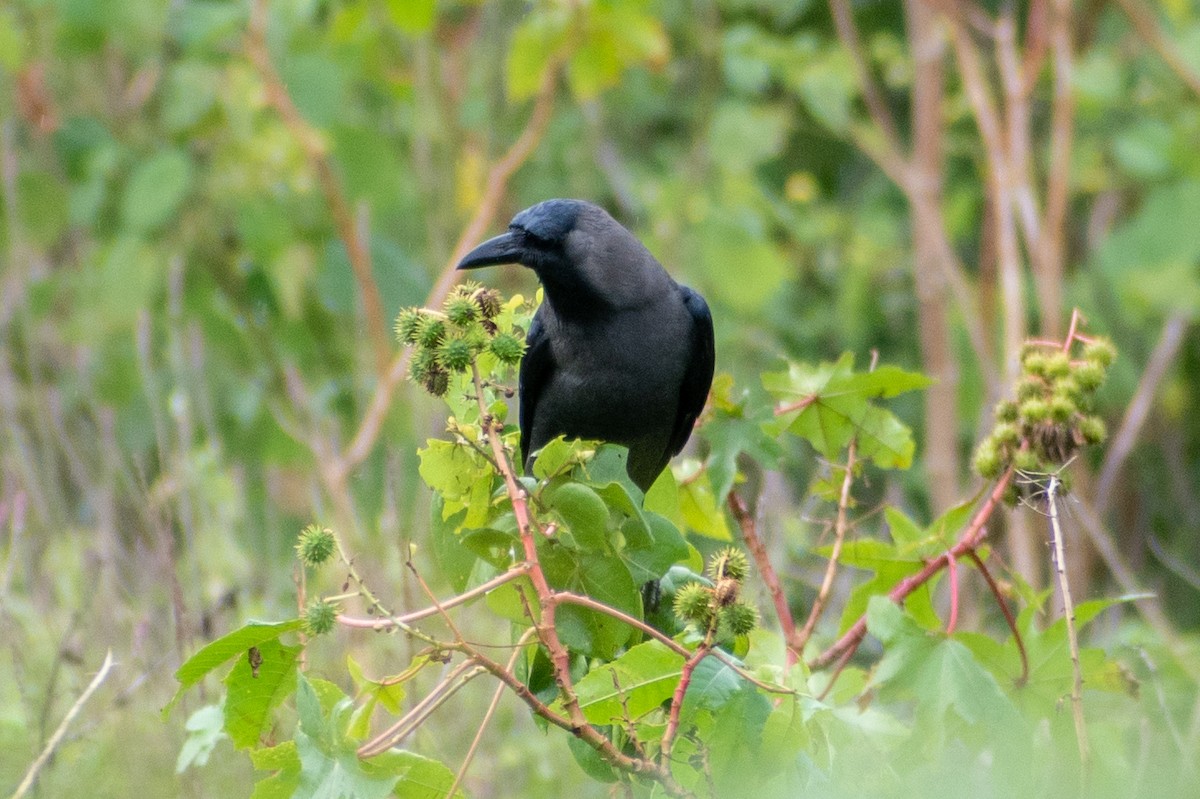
(212, 211)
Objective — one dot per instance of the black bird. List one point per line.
(618, 351)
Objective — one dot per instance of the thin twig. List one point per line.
(1008, 615)
(952, 573)
(1169, 342)
(570, 598)
(61, 731)
(1000, 182)
(1058, 173)
(417, 615)
(487, 716)
(1060, 568)
(766, 571)
(839, 537)
(451, 684)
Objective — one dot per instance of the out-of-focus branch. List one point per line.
(1169, 342)
(497, 183)
(843, 21)
(1000, 182)
(1017, 128)
(839, 537)
(1051, 251)
(61, 731)
(882, 145)
(1147, 28)
(316, 151)
(927, 42)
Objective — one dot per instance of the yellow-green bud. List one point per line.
(408, 323)
(987, 460)
(431, 331)
(1036, 363)
(455, 354)
(1093, 429)
(738, 618)
(1029, 388)
(1100, 352)
(1061, 409)
(693, 602)
(315, 545)
(507, 348)
(319, 617)
(1026, 460)
(1089, 375)
(1034, 411)
(462, 311)
(1058, 365)
(1006, 433)
(730, 562)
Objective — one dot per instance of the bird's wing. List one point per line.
(536, 368)
(697, 380)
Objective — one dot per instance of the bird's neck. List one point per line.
(572, 296)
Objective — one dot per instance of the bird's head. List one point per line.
(546, 238)
(584, 258)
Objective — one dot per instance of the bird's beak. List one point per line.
(503, 249)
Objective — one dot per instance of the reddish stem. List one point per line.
(952, 570)
(969, 541)
(766, 571)
(1008, 615)
(685, 679)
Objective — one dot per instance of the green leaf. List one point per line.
(190, 93)
(412, 16)
(583, 512)
(329, 766)
(652, 547)
(534, 43)
(635, 683)
(252, 694)
(830, 404)
(941, 671)
(714, 682)
(43, 205)
(602, 577)
(274, 758)
(732, 430)
(155, 190)
(205, 729)
(559, 455)
(461, 476)
(698, 504)
(420, 777)
(224, 649)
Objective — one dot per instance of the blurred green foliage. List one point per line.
(183, 344)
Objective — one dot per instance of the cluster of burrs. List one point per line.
(718, 608)
(448, 341)
(1053, 415)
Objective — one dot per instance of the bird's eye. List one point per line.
(532, 239)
